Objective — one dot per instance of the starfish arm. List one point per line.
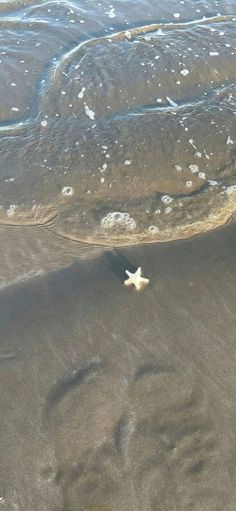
(142, 282)
(145, 281)
(128, 282)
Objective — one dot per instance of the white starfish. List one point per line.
(136, 279)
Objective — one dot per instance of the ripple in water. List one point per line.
(118, 133)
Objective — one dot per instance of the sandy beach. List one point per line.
(113, 399)
(118, 136)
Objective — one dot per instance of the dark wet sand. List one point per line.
(116, 400)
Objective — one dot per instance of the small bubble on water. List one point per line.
(229, 141)
(118, 219)
(90, 113)
(67, 191)
(12, 210)
(166, 199)
(81, 93)
(178, 168)
(111, 13)
(184, 72)
(201, 175)
(193, 168)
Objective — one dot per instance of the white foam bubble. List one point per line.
(166, 199)
(178, 168)
(118, 219)
(12, 210)
(231, 189)
(229, 141)
(193, 168)
(184, 72)
(111, 13)
(67, 191)
(189, 184)
(201, 175)
(90, 113)
(81, 93)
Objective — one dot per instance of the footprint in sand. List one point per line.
(148, 443)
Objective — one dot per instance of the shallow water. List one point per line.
(125, 109)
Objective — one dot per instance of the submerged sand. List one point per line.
(112, 399)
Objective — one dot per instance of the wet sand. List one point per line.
(116, 400)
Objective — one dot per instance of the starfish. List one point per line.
(136, 279)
